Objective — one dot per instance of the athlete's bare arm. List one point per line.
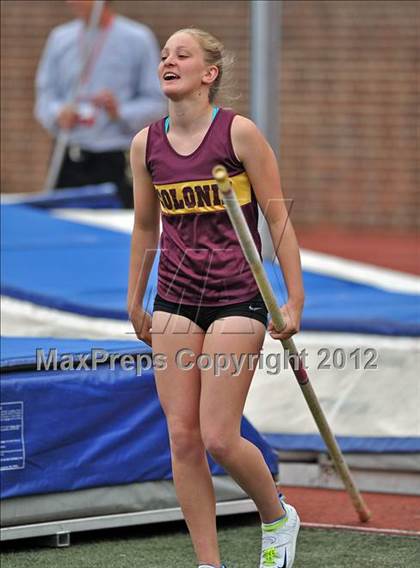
(145, 237)
(259, 160)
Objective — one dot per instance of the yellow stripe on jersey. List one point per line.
(200, 196)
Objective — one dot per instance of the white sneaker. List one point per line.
(279, 545)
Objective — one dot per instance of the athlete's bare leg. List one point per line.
(179, 394)
(221, 407)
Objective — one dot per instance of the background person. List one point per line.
(207, 300)
(119, 94)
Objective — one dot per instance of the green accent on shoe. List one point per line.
(269, 527)
(270, 557)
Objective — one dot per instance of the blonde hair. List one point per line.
(214, 54)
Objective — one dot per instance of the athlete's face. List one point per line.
(182, 69)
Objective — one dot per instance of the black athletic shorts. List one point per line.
(204, 316)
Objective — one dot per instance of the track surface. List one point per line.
(396, 251)
(333, 507)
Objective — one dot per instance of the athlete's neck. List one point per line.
(187, 117)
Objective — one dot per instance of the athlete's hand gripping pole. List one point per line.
(251, 254)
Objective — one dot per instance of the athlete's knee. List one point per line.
(219, 444)
(186, 442)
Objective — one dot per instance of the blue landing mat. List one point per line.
(66, 429)
(83, 269)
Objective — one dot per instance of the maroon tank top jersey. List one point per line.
(201, 261)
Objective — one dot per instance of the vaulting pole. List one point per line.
(64, 134)
(251, 254)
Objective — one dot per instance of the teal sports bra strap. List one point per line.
(213, 116)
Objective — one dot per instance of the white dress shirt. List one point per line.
(124, 60)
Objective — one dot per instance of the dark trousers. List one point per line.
(81, 167)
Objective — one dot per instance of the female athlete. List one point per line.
(208, 302)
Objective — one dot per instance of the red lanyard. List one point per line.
(94, 52)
